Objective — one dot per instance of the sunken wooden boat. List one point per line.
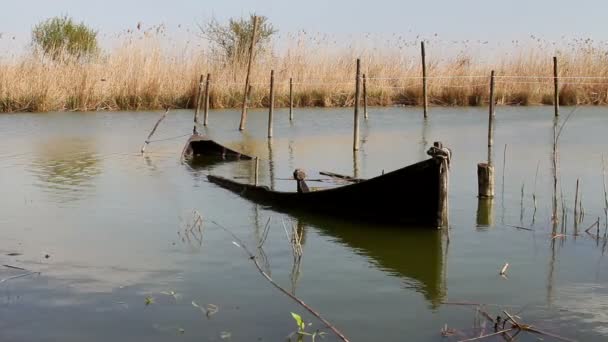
(413, 195)
(201, 146)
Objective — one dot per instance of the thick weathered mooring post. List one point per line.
(206, 103)
(425, 100)
(290, 99)
(485, 171)
(444, 184)
(442, 156)
(357, 100)
(365, 97)
(251, 53)
(271, 104)
(199, 96)
(555, 87)
(485, 180)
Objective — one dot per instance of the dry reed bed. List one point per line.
(145, 76)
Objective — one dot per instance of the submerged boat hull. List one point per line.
(201, 146)
(415, 194)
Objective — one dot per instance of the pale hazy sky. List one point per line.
(450, 19)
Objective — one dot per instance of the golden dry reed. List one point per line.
(143, 75)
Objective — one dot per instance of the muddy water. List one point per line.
(116, 228)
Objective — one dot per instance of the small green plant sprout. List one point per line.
(149, 300)
(301, 332)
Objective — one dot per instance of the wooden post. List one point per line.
(555, 87)
(206, 105)
(444, 185)
(365, 97)
(425, 101)
(199, 96)
(485, 171)
(257, 166)
(357, 100)
(271, 105)
(485, 180)
(290, 99)
(491, 119)
(251, 51)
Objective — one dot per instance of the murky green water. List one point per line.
(115, 227)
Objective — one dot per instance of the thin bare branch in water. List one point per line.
(239, 243)
(15, 267)
(488, 335)
(504, 164)
(561, 128)
(605, 192)
(521, 211)
(519, 227)
(143, 147)
(593, 225)
(534, 193)
(18, 276)
(265, 233)
(576, 212)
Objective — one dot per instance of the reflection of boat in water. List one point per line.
(416, 255)
(415, 194)
(200, 146)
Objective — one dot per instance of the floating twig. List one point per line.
(488, 335)
(15, 267)
(18, 276)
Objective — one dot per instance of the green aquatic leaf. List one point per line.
(299, 321)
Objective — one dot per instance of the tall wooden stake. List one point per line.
(357, 100)
(491, 116)
(206, 103)
(365, 97)
(251, 53)
(290, 99)
(271, 105)
(485, 171)
(199, 97)
(555, 87)
(425, 101)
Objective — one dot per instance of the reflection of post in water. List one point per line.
(290, 152)
(271, 164)
(485, 212)
(551, 274)
(554, 159)
(355, 164)
(424, 139)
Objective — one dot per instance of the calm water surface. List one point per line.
(115, 227)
